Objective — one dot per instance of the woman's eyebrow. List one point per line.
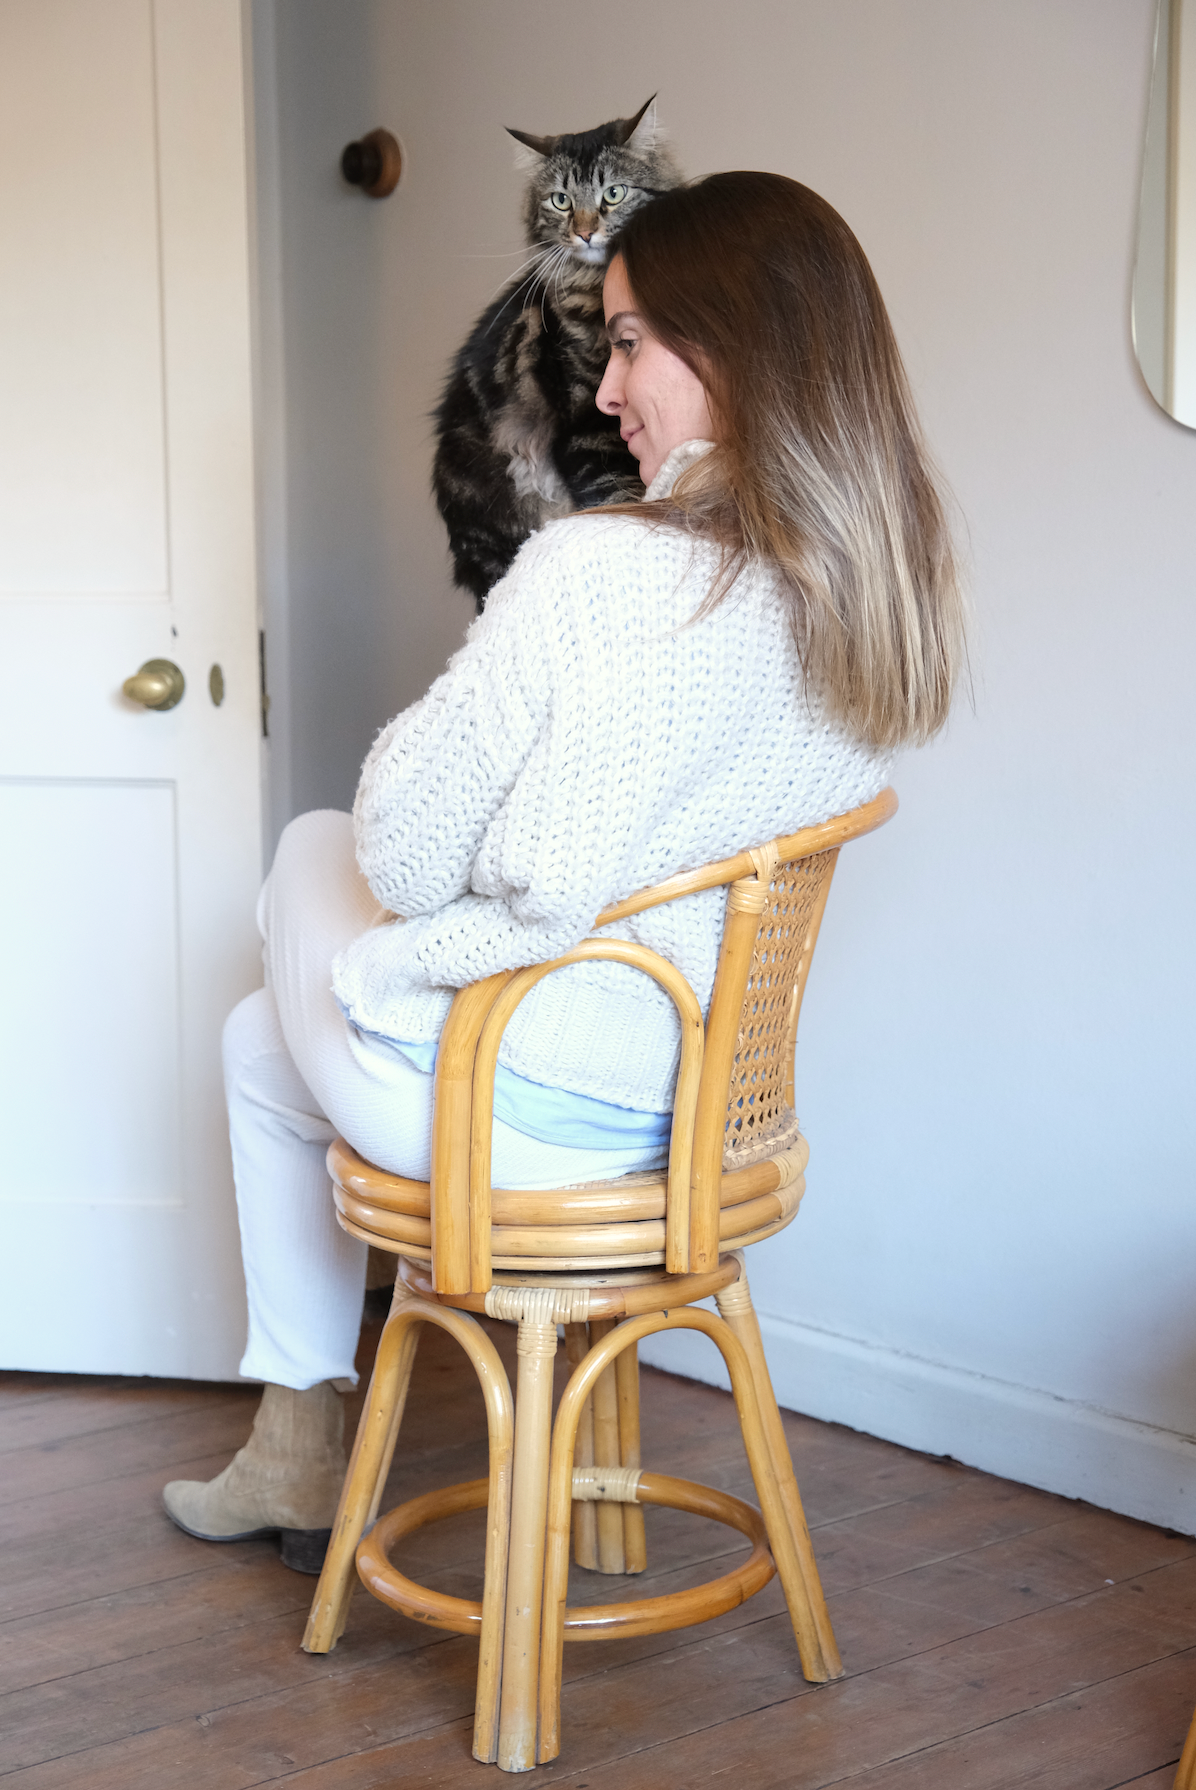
(614, 324)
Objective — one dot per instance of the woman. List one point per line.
(649, 688)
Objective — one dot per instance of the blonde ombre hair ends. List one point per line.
(819, 467)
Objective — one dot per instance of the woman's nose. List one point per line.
(608, 397)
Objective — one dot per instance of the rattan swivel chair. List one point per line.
(613, 1262)
(1185, 1774)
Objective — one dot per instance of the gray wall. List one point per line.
(360, 613)
(998, 1248)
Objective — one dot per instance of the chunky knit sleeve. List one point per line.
(487, 816)
(438, 773)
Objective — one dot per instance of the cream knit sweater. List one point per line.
(583, 743)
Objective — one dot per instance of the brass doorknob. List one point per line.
(158, 685)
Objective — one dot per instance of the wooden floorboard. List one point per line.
(993, 1635)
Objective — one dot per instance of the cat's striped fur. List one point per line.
(520, 439)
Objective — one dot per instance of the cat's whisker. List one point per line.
(552, 278)
(526, 286)
(559, 271)
(525, 291)
(527, 262)
(550, 273)
(491, 255)
(540, 258)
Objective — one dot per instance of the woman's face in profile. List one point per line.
(659, 401)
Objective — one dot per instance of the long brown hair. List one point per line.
(819, 467)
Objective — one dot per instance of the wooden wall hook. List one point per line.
(374, 163)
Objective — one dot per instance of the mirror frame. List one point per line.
(1163, 310)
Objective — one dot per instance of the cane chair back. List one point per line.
(736, 1159)
(760, 1100)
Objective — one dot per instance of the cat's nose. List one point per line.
(585, 235)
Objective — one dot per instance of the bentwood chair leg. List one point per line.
(820, 1660)
(611, 1552)
(577, 1396)
(496, 1391)
(629, 1333)
(373, 1450)
(585, 1520)
(518, 1709)
(1185, 1777)
(627, 1381)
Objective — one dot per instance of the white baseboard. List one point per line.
(1034, 1437)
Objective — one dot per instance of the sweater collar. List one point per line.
(677, 461)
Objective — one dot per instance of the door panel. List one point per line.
(115, 937)
(81, 391)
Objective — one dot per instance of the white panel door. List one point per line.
(131, 838)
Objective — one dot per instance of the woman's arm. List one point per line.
(438, 773)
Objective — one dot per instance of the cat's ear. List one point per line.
(541, 145)
(639, 133)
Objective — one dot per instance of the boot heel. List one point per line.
(303, 1550)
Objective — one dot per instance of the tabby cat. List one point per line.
(520, 440)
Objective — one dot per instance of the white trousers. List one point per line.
(297, 1074)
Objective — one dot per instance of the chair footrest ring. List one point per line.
(588, 1622)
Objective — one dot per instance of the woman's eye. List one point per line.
(561, 201)
(625, 343)
(614, 195)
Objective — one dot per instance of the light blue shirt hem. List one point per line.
(555, 1115)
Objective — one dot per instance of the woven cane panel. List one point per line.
(758, 1121)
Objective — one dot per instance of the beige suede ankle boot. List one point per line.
(286, 1481)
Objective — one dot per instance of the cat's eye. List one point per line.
(614, 195)
(562, 201)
